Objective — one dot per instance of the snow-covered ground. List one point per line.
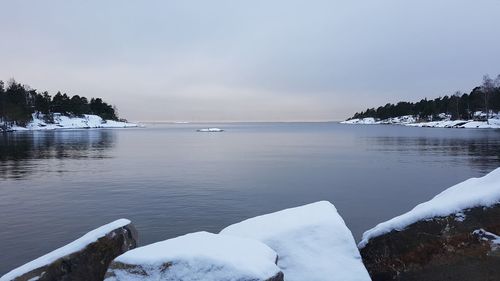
(470, 124)
(362, 121)
(411, 121)
(66, 122)
(72, 247)
(198, 256)
(474, 192)
(312, 242)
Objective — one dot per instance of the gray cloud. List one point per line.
(249, 60)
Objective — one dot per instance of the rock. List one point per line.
(85, 259)
(461, 246)
(312, 241)
(198, 256)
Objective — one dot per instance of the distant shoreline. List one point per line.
(62, 122)
(411, 121)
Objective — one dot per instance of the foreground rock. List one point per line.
(85, 259)
(198, 256)
(312, 241)
(454, 236)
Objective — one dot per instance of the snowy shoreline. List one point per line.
(411, 121)
(65, 122)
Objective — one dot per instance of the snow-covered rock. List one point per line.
(312, 241)
(411, 121)
(195, 257)
(210, 130)
(440, 124)
(66, 122)
(454, 236)
(474, 192)
(362, 121)
(85, 259)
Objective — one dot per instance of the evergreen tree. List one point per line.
(458, 106)
(18, 102)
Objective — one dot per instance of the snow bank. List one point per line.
(66, 122)
(440, 124)
(198, 256)
(312, 241)
(401, 120)
(474, 192)
(72, 247)
(411, 121)
(362, 121)
(470, 124)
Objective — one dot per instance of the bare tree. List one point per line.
(487, 88)
(456, 98)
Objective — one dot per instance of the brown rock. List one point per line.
(198, 256)
(443, 248)
(88, 264)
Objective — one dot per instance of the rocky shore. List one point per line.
(60, 121)
(444, 122)
(453, 236)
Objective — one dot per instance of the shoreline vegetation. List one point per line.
(24, 108)
(478, 109)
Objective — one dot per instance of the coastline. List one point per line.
(411, 121)
(62, 122)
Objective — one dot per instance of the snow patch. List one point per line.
(72, 247)
(312, 241)
(488, 236)
(200, 256)
(460, 216)
(474, 192)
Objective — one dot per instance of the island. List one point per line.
(480, 109)
(23, 108)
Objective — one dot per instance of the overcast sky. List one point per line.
(249, 60)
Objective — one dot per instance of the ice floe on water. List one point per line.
(210, 130)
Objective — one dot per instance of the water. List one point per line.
(170, 180)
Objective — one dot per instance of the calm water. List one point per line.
(170, 180)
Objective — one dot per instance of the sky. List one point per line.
(249, 60)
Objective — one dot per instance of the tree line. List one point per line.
(18, 102)
(484, 98)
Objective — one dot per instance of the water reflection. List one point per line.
(481, 150)
(21, 152)
(171, 180)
